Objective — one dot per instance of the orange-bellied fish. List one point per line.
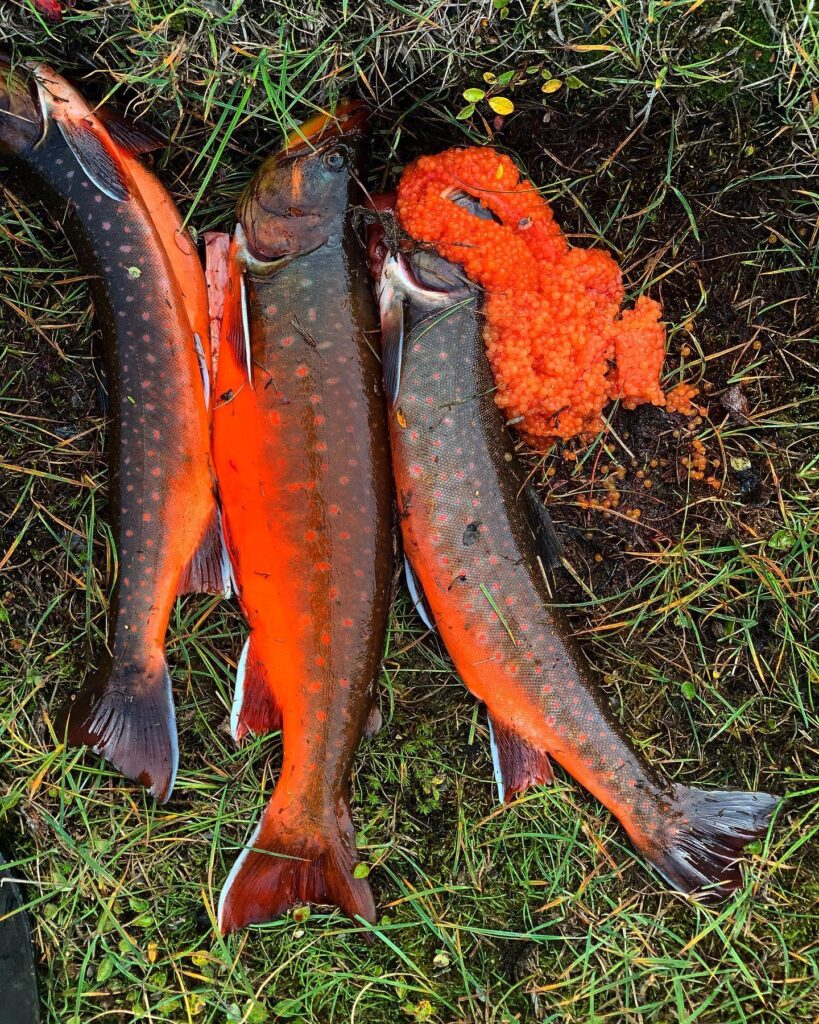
(301, 452)
(477, 539)
(150, 298)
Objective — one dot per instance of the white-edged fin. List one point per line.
(517, 764)
(235, 313)
(208, 571)
(234, 871)
(201, 358)
(246, 327)
(98, 164)
(255, 709)
(417, 595)
(391, 312)
(496, 766)
(82, 131)
(239, 693)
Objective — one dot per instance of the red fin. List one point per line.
(208, 572)
(707, 833)
(235, 313)
(133, 137)
(283, 866)
(50, 8)
(217, 253)
(93, 152)
(129, 719)
(518, 765)
(255, 709)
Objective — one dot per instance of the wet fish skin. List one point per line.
(474, 537)
(127, 234)
(301, 454)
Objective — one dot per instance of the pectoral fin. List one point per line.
(98, 162)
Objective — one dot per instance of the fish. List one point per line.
(150, 298)
(479, 545)
(301, 453)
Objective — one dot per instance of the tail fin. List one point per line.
(129, 719)
(283, 865)
(705, 844)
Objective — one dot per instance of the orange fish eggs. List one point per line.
(557, 342)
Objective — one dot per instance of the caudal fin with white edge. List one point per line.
(705, 841)
(128, 718)
(284, 865)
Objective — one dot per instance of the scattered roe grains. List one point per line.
(557, 342)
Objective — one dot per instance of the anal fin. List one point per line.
(208, 571)
(417, 595)
(255, 709)
(518, 765)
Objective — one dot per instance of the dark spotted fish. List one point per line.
(150, 299)
(477, 539)
(300, 447)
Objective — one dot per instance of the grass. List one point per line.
(683, 137)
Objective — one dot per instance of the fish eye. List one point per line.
(334, 159)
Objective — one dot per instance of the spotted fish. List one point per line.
(477, 540)
(151, 303)
(300, 448)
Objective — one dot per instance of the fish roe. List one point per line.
(558, 343)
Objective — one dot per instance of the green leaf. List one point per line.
(473, 95)
(105, 970)
(688, 691)
(287, 1008)
(573, 83)
(506, 78)
(782, 540)
(361, 870)
(466, 113)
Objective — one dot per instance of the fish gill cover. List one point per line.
(558, 343)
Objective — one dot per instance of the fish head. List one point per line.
(21, 116)
(298, 198)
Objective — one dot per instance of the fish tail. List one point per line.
(255, 708)
(707, 836)
(128, 718)
(283, 865)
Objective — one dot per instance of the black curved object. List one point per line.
(19, 1001)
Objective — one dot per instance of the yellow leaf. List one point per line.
(153, 948)
(499, 172)
(501, 105)
(551, 86)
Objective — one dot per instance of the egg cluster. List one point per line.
(558, 344)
